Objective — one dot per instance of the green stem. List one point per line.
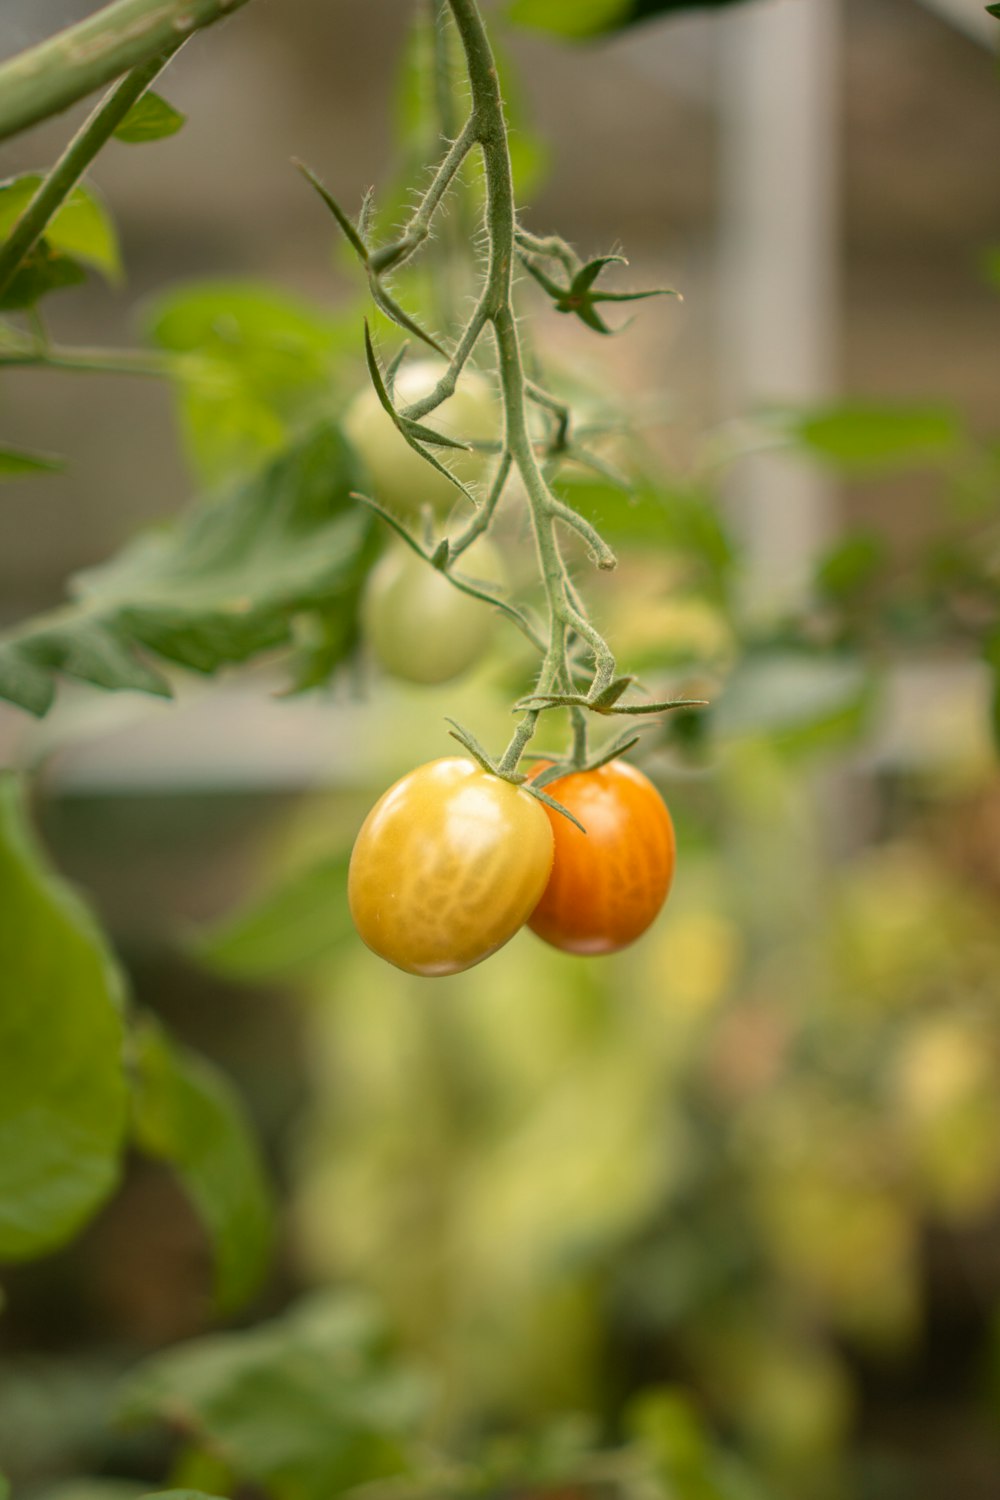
(491, 132)
(484, 515)
(553, 248)
(449, 380)
(77, 61)
(419, 226)
(63, 177)
(557, 409)
(100, 361)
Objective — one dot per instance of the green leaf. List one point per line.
(151, 118)
(860, 438)
(263, 362)
(62, 1084)
(993, 10)
(801, 701)
(324, 641)
(991, 263)
(186, 1113)
(582, 18)
(81, 227)
(850, 566)
(992, 655)
(227, 582)
(17, 461)
(306, 1406)
(178, 1495)
(684, 519)
(686, 1465)
(41, 272)
(289, 928)
(95, 1489)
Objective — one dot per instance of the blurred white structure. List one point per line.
(779, 252)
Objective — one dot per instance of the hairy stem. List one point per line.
(62, 178)
(48, 78)
(419, 226)
(491, 133)
(449, 380)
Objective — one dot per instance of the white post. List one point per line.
(779, 253)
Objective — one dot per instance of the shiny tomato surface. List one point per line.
(607, 885)
(448, 865)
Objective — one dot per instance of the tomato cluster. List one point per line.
(452, 861)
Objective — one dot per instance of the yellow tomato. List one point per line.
(448, 865)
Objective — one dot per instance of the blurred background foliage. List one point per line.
(717, 1219)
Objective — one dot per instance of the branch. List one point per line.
(97, 361)
(62, 178)
(419, 226)
(48, 78)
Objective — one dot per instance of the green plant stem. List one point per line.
(484, 515)
(553, 248)
(63, 177)
(419, 226)
(99, 361)
(48, 78)
(491, 133)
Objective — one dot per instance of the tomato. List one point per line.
(419, 626)
(448, 865)
(403, 480)
(608, 884)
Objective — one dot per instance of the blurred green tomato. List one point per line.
(418, 625)
(401, 479)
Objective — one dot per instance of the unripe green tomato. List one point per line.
(419, 626)
(401, 479)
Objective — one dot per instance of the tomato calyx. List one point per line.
(557, 768)
(579, 295)
(607, 701)
(483, 758)
(535, 791)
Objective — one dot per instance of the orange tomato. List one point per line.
(608, 884)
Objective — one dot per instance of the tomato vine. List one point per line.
(508, 244)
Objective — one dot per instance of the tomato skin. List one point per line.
(419, 626)
(401, 479)
(607, 885)
(448, 866)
